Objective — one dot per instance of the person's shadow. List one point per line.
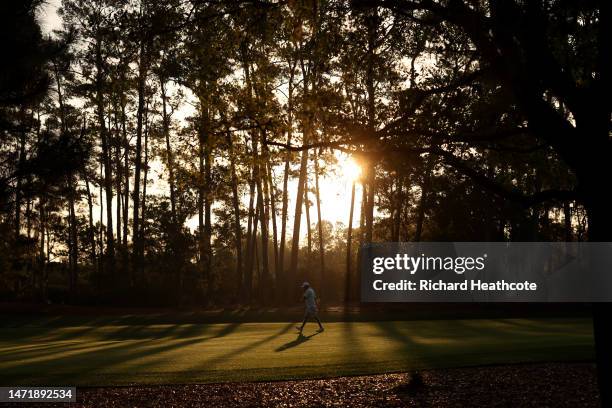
(300, 339)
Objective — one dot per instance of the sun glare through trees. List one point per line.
(218, 155)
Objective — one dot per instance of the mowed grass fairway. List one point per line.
(189, 353)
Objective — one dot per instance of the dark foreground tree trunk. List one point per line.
(598, 207)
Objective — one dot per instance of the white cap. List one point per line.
(305, 284)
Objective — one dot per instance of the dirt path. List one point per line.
(530, 385)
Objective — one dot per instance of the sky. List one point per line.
(335, 188)
(49, 20)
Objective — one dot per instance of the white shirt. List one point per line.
(310, 298)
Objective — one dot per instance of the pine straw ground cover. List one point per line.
(522, 385)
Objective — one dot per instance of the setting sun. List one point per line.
(305, 203)
(351, 170)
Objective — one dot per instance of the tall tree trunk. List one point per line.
(255, 249)
(201, 193)
(406, 217)
(126, 180)
(42, 224)
(204, 194)
(297, 218)
(421, 213)
(272, 190)
(348, 288)
(236, 207)
(253, 213)
(30, 200)
(372, 28)
(362, 220)
(18, 188)
(210, 276)
(143, 214)
(264, 280)
(262, 213)
(369, 204)
(397, 219)
(71, 192)
(270, 202)
(28, 214)
(269, 212)
(118, 172)
(254, 260)
(425, 187)
(136, 238)
(567, 221)
(92, 235)
(101, 231)
(248, 273)
(169, 153)
(288, 155)
(108, 176)
(308, 226)
(320, 230)
(74, 244)
(45, 277)
(362, 211)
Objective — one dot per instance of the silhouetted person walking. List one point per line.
(310, 302)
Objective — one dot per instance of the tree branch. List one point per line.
(512, 195)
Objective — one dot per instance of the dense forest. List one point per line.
(170, 153)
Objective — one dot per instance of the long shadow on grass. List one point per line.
(226, 330)
(121, 328)
(216, 360)
(352, 338)
(107, 356)
(32, 327)
(46, 349)
(301, 339)
(134, 332)
(465, 340)
(411, 348)
(36, 351)
(512, 328)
